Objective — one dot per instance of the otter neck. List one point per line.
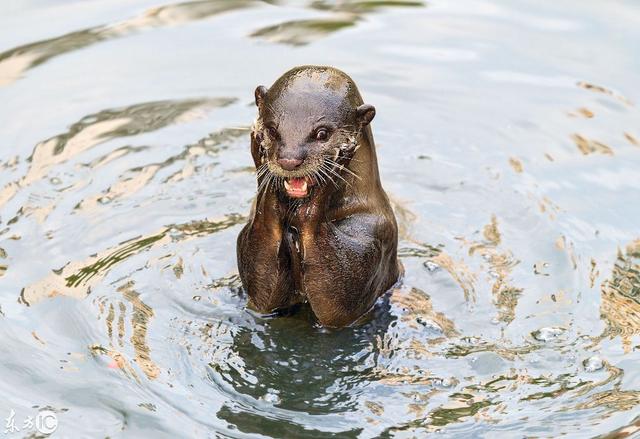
(358, 194)
(365, 163)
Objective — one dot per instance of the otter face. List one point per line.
(307, 130)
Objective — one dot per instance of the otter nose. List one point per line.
(289, 164)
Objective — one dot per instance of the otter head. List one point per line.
(307, 129)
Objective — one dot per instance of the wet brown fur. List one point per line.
(337, 247)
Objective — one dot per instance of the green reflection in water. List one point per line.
(103, 264)
(444, 416)
(196, 228)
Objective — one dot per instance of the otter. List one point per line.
(321, 229)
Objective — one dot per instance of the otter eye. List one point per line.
(322, 134)
(273, 132)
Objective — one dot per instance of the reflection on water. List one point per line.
(14, 62)
(76, 278)
(620, 303)
(511, 161)
(344, 15)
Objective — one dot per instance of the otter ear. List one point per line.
(366, 113)
(260, 93)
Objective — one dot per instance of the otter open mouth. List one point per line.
(298, 187)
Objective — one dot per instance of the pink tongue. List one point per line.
(296, 183)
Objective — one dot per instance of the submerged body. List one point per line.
(322, 229)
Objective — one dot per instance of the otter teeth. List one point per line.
(302, 188)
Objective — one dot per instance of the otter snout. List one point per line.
(289, 164)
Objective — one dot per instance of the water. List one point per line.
(508, 138)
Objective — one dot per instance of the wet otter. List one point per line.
(321, 228)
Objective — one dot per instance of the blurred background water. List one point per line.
(509, 141)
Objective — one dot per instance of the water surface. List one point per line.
(508, 138)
